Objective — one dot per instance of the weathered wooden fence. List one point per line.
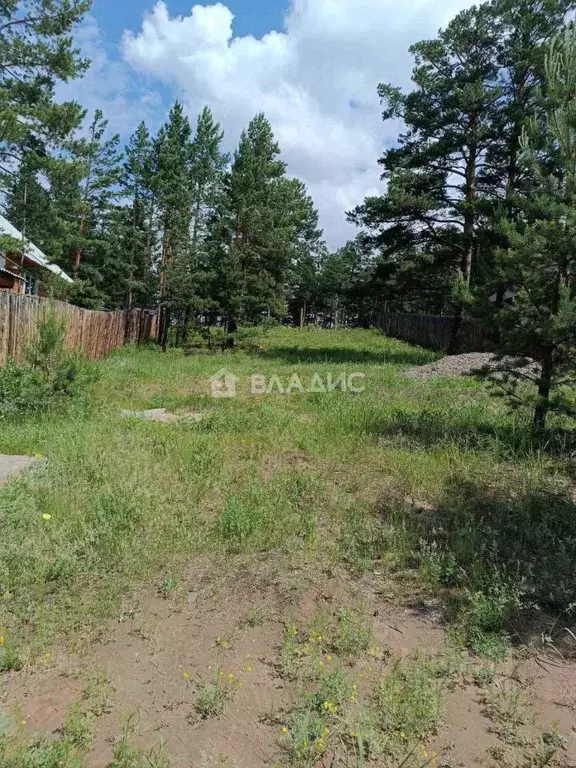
(433, 331)
(93, 333)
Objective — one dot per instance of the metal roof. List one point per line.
(30, 250)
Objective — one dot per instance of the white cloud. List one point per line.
(110, 85)
(315, 80)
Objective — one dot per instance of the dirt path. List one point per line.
(155, 658)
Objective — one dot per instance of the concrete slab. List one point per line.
(162, 415)
(12, 466)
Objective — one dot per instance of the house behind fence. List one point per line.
(23, 269)
(433, 331)
(95, 334)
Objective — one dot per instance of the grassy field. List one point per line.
(431, 483)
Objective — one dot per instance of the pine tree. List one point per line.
(431, 206)
(84, 184)
(456, 170)
(207, 174)
(190, 274)
(541, 259)
(524, 33)
(28, 203)
(36, 52)
(343, 290)
(309, 250)
(259, 233)
(172, 187)
(139, 234)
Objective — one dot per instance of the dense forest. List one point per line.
(478, 216)
(170, 221)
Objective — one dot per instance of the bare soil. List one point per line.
(160, 650)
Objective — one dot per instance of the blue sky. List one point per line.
(312, 66)
(255, 17)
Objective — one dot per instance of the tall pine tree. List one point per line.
(255, 222)
(138, 222)
(36, 52)
(84, 183)
(190, 274)
(172, 187)
(541, 258)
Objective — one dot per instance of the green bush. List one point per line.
(216, 338)
(49, 376)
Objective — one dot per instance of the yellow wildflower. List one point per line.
(2, 639)
(248, 669)
(185, 675)
(284, 729)
(230, 677)
(46, 516)
(328, 659)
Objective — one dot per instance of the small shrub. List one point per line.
(255, 617)
(98, 693)
(408, 701)
(306, 739)
(351, 634)
(128, 756)
(334, 691)
(50, 375)
(213, 697)
(10, 660)
(79, 728)
(167, 585)
(480, 618)
(239, 521)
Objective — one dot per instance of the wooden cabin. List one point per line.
(21, 271)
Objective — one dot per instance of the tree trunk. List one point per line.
(165, 328)
(468, 232)
(163, 315)
(544, 388)
(78, 254)
(454, 343)
(185, 325)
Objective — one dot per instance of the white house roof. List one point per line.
(30, 250)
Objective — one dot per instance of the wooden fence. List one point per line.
(433, 331)
(93, 333)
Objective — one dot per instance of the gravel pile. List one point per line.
(457, 365)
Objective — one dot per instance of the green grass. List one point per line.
(358, 705)
(320, 476)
